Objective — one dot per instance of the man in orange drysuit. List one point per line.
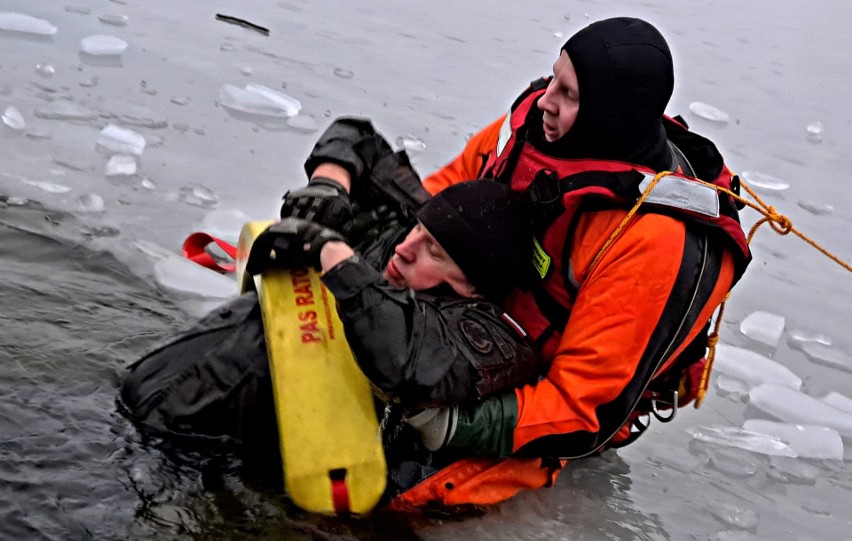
(622, 325)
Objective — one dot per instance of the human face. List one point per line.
(420, 263)
(561, 101)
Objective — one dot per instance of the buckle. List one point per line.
(658, 413)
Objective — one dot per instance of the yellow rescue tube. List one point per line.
(329, 434)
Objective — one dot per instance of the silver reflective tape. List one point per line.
(505, 133)
(681, 193)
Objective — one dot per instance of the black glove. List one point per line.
(394, 182)
(323, 201)
(351, 143)
(291, 243)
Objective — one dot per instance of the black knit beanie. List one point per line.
(483, 226)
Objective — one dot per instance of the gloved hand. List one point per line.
(291, 243)
(436, 426)
(323, 201)
(352, 143)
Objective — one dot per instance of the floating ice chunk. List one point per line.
(64, 110)
(737, 463)
(89, 82)
(102, 45)
(410, 142)
(120, 165)
(755, 442)
(753, 368)
(818, 209)
(125, 112)
(45, 70)
(797, 337)
(762, 180)
(225, 223)
(121, 140)
(179, 100)
(344, 73)
(251, 102)
(182, 276)
(732, 387)
(18, 22)
(13, 118)
(70, 161)
(733, 516)
(808, 441)
(78, 9)
(828, 356)
(246, 70)
(763, 327)
(290, 106)
(90, 202)
(708, 112)
(793, 472)
(792, 406)
(839, 401)
(198, 196)
(228, 47)
(303, 123)
(114, 20)
(50, 187)
(815, 130)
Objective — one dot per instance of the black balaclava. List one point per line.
(626, 77)
(484, 227)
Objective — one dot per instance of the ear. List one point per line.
(464, 288)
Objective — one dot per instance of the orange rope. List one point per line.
(778, 222)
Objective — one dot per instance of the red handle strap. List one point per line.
(194, 249)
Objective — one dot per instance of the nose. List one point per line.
(407, 249)
(545, 103)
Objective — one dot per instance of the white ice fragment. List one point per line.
(558, 34)
(707, 111)
(228, 47)
(119, 140)
(762, 180)
(411, 143)
(50, 187)
(179, 100)
(182, 276)
(793, 472)
(13, 118)
(251, 102)
(753, 368)
(839, 401)
(198, 196)
(303, 123)
(815, 128)
(808, 441)
(225, 224)
(344, 73)
(732, 387)
(797, 337)
(817, 209)
(18, 22)
(755, 442)
(114, 20)
(246, 70)
(64, 110)
(120, 165)
(90, 202)
(828, 356)
(45, 70)
(763, 327)
(89, 83)
(102, 45)
(147, 184)
(793, 406)
(290, 106)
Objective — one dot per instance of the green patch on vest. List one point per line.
(541, 261)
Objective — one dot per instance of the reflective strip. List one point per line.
(505, 133)
(514, 324)
(681, 193)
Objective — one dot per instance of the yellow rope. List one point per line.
(778, 222)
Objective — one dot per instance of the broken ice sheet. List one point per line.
(817, 209)
(198, 196)
(50, 187)
(114, 20)
(733, 515)
(258, 100)
(792, 406)
(19, 22)
(120, 165)
(119, 140)
(796, 338)
(808, 441)
(13, 118)
(839, 401)
(708, 112)
(742, 439)
(763, 327)
(90, 202)
(411, 143)
(182, 276)
(224, 223)
(732, 387)
(829, 356)
(753, 368)
(102, 45)
(64, 110)
(757, 179)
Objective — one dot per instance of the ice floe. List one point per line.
(757, 179)
(411, 143)
(808, 441)
(260, 100)
(763, 327)
(117, 140)
(793, 406)
(64, 110)
(838, 401)
(13, 118)
(120, 165)
(756, 442)
(27, 24)
(102, 45)
(708, 112)
(182, 276)
(753, 368)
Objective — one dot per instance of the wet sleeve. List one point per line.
(469, 164)
(426, 353)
